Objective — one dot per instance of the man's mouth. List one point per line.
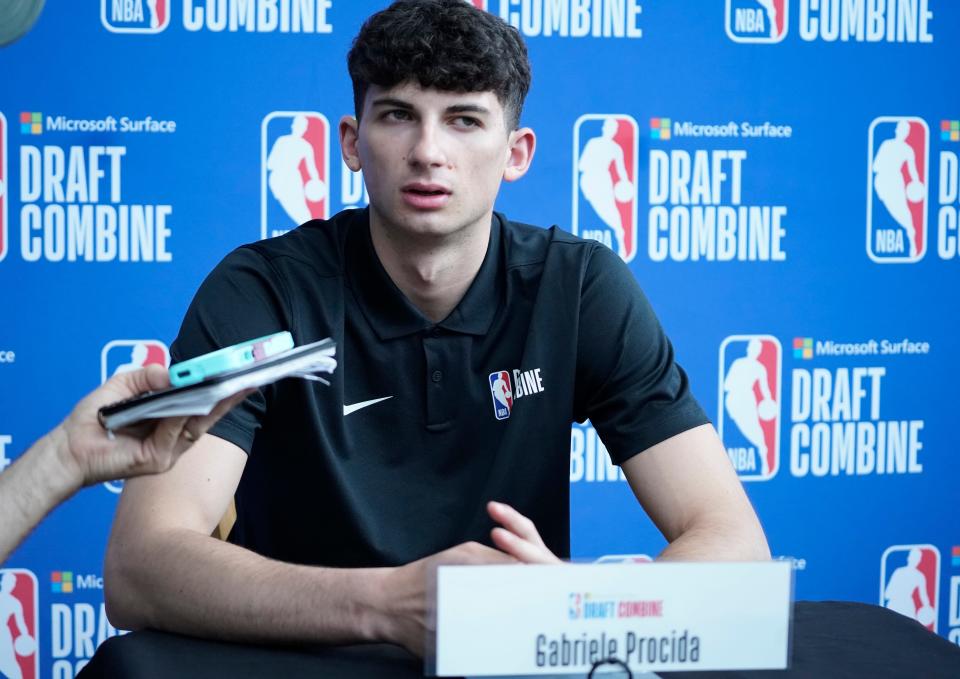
(426, 189)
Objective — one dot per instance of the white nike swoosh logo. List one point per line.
(347, 409)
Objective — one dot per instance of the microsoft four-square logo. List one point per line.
(31, 122)
(61, 582)
(659, 128)
(803, 348)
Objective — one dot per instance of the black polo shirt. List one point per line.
(423, 423)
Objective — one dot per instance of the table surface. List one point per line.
(830, 639)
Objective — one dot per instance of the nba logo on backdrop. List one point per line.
(18, 615)
(757, 20)
(897, 189)
(749, 398)
(294, 170)
(605, 181)
(135, 16)
(502, 394)
(479, 4)
(909, 582)
(4, 243)
(120, 356)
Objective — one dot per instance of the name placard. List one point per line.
(525, 619)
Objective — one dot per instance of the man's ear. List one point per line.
(349, 136)
(523, 143)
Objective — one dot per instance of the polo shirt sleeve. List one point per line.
(628, 383)
(240, 300)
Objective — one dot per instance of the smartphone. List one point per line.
(229, 358)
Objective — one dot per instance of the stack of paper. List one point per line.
(200, 398)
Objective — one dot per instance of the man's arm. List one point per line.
(163, 570)
(688, 487)
(79, 452)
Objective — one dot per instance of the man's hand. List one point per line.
(410, 589)
(89, 455)
(518, 536)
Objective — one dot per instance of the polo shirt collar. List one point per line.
(388, 310)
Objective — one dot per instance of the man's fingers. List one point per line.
(520, 549)
(514, 521)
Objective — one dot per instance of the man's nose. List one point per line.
(427, 147)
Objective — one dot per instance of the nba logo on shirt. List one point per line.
(18, 615)
(757, 20)
(294, 170)
(135, 16)
(909, 582)
(749, 398)
(502, 394)
(605, 181)
(3, 187)
(897, 189)
(120, 356)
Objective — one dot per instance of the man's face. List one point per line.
(433, 160)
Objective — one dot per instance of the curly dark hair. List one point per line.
(442, 44)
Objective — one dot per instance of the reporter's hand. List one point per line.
(409, 590)
(89, 455)
(518, 536)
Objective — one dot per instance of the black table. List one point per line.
(830, 639)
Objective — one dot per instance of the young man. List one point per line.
(467, 345)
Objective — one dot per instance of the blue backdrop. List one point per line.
(783, 182)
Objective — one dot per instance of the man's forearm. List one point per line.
(718, 542)
(193, 584)
(30, 488)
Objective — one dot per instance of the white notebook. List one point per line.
(199, 399)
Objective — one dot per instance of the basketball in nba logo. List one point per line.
(605, 181)
(3, 187)
(18, 618)
(897, 189)
(294, 170)
(749, 404)
(757, 20)
(135, 16)
(909, 582)
(120, 356)
(502, 393)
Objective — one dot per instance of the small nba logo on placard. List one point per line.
(757, 20)
(605, 181)
(909, 582)
(120, 356)
(18, 615)
(749, 398)
(502, 394)
(897, 189)
(135, 16)
(295, 170)
(3, 188)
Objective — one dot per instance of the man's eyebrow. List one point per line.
(467, 108)
(390, 101)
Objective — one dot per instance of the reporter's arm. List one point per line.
(79, 452)
(30, 488)
(690, 490)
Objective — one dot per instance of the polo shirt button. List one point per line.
(437, 376)
(435, 331)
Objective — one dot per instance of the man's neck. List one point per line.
(433, 273)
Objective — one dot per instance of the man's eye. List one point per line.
(397, 114)
(466, 121)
